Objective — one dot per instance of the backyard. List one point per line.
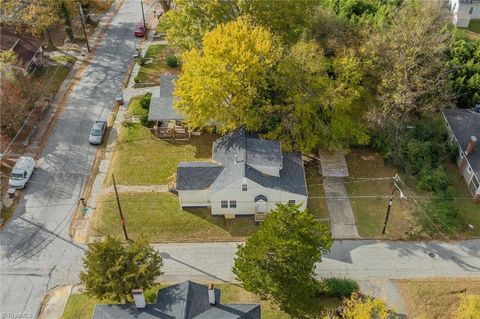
(159, 217)
(49, 78)
(80, 306)
(156, 64)
(435, 298)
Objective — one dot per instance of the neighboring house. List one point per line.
(187, 300)
(28, 49)
(168, 121)
(463, 126)
(463, 11)
(248, 176)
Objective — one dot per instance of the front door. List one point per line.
(261, 206)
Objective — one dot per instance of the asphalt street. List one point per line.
(358, 259)
(35, 249)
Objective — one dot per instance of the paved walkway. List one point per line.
(342, 221)
(333, 168)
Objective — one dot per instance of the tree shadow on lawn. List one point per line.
(241, 226)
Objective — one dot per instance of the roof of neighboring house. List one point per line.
(197, 175)
(23, 45)
(464, 124)
(186, 300)
(237, 151)
(161, 108)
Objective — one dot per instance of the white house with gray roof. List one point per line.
(247, 176)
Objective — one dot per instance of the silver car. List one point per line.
(97, 132)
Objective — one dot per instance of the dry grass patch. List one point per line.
(436, 299)
(369, 197)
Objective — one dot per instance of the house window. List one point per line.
(224, 203)
(291, 202)
(470, 11)
(233, 204)
(244, 187)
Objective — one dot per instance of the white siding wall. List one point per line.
(246, 199)
(199, 198)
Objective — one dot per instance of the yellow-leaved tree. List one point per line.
(224, 83)
(364, 307)
(469, 307)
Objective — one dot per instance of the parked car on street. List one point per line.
(21, 172)
(97, 132)
(140, 30)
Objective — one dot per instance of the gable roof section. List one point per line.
(464, 124)
(161, 108)
(197, 175)
(232, 311)
(264, 152)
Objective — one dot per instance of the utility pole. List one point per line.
(390, 204)
(122, 220)
(143, 16)
(82, 19)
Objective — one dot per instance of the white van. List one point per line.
(21, 172)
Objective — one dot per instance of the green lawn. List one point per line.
(474, 26)
(435, 298)
(316, 206)
(161, 27)
(50, 78)
(150, 72)
(141, 159)
(370, 211)
(80, 306)
(159, 217)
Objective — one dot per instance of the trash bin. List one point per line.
(11, 192)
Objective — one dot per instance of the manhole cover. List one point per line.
(431, 255)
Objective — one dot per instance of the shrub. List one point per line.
(337, 287)
(141, 60)
(172, 61)
(440, 214)
(69, 32)
(436, 180)
(145, 101)
(136, 79)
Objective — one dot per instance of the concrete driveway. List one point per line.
(36, 251)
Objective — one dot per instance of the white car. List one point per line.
(21, 172)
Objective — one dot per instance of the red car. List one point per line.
(140, 30)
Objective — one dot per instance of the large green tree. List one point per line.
(323, 100)
(112, 270)
(223, 82)
(408, 58)
(278, 261)
(191, 19)
(464, 76)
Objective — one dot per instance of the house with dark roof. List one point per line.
(464, 11)
(186, 300)
(247, 176)
(29, 50)
(463, 126)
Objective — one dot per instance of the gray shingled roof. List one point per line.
(234, 152)
(161, 108)
(187, 300)
(245, 146)
(264, 152)
(466, 123)
(197, 175)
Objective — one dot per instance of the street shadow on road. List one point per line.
(454, 252)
